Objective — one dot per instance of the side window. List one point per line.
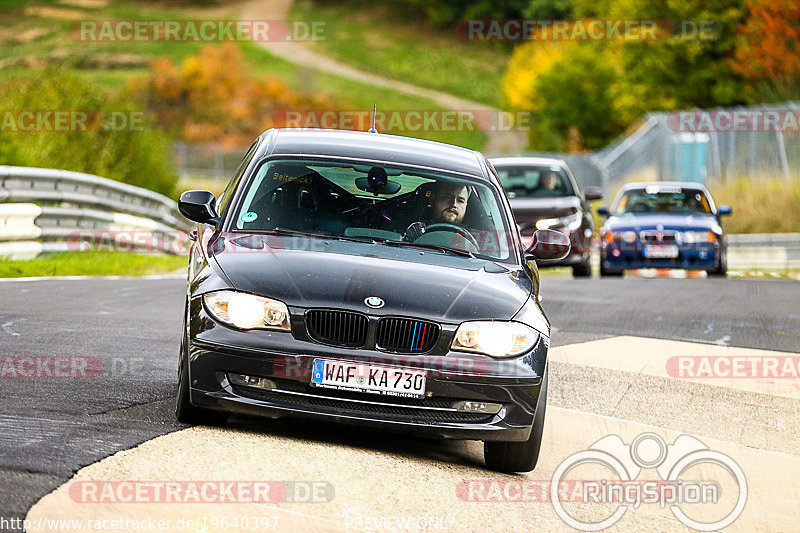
(225, 198)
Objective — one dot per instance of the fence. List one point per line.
(707, 145)
(47, 210)
(206, 160)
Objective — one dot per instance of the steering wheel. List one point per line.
(443, 226)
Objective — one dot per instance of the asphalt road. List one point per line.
(128, 328)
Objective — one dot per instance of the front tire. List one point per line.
(606, 273)
(185, 412)
(519, 456)
(582, 270)
(721, 270)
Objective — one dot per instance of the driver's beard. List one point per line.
(450, 218)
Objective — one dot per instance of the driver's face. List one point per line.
(451, 203)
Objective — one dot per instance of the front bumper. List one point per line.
(697, 257)
(215, 351)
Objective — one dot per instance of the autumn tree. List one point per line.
(768, 51)
(212, 97)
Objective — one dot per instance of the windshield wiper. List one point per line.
(372, 240)
(427, 246)
(296, 233)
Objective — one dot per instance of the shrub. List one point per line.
(133, 152)
(211, 97)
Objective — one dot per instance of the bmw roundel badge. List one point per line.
(374, 302)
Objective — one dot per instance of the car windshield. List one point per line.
(657, 199)
(535, 181)
(385, 204)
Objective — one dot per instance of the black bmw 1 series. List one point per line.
(367, 279)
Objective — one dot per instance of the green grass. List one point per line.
(352, 95)
(386, 39)
(789, 274)
(58, 47)
(92, 264)
(760, 205)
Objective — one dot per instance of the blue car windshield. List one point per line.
(335, 198)
(661, 200)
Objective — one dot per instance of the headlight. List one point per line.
(692, 237)
(247, 311)
(570, 222)
(630, 237)
(497, 339)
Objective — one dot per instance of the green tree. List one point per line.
(116, 141)
(575, 94)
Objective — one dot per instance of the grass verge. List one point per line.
(371, 37)
(111, 64)
(92, 264)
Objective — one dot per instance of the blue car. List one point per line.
(663, 225)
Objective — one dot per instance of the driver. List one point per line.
(549, 181)
(449, 205)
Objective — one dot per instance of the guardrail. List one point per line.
(48, 210)
(780, 251)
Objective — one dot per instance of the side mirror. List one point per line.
(548, 245)
(199, 207)
(724, 210)
(593, 193)
(603, 211)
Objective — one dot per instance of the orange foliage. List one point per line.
(212, 97)
(770, 41)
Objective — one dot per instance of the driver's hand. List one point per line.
(414, 231)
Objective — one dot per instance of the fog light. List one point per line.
(477, 407)
(256, 382)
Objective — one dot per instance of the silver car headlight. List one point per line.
(570, 222)
(247, 311)
(496, 339)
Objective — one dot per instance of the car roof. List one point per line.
(524, 160)
(390, 149)
(681, 184)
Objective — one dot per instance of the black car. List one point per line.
(545, 195)
(368, 279)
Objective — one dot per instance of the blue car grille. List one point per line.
(658, 237)
(403, 335)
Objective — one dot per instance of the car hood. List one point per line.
(310, 272)
(662, 221)
(528, 210)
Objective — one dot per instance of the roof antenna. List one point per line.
(374, 111)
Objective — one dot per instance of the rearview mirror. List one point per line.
(603, 211)
(548, 245)
(724, 210)
(199, 207)
(593, 193)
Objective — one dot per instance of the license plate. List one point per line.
(366, 377)
(669, 251)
